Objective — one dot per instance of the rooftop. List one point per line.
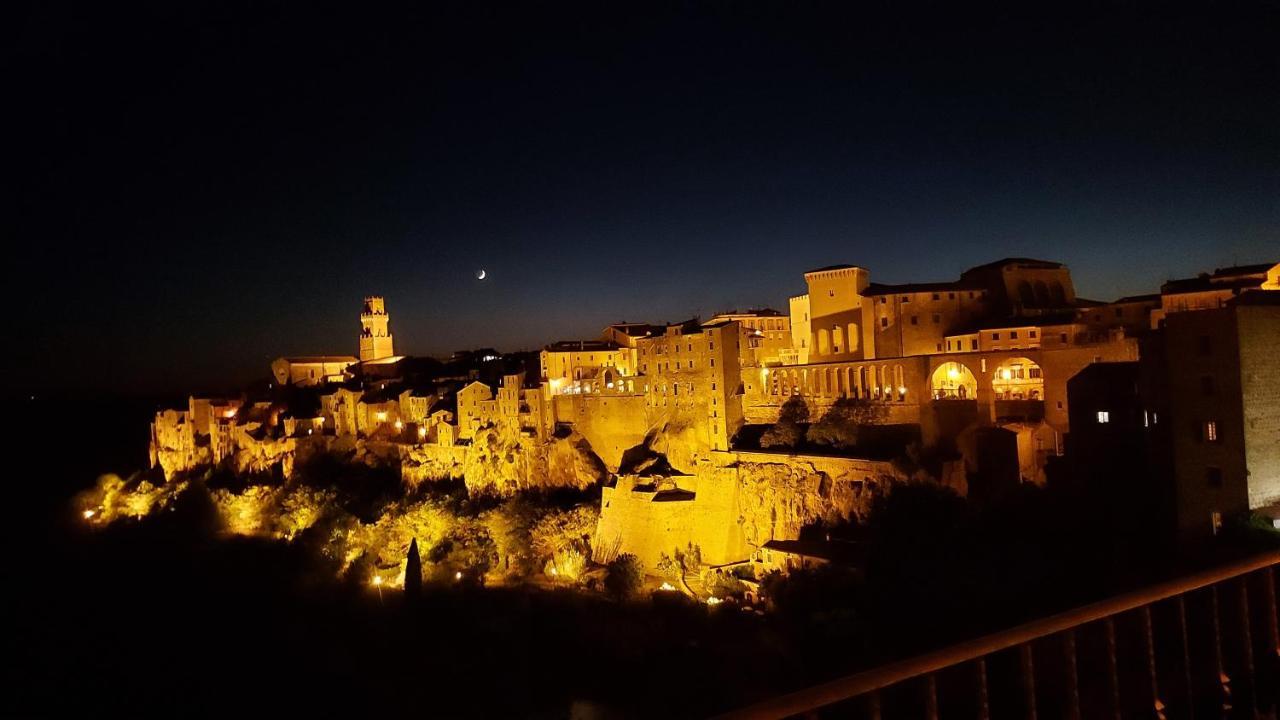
(299, 359)
(907, 288)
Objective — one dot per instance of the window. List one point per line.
(936, 296)
(711, 345)
(995, 336)
(1013, 334)
(1213, 476)
(939, 347)
(1104, 417)
(973, 344)
(882, 301)
(906, 298)
(1033, 334)
(884, 322)
(1211, 430)
(937, 318)
(915, 320)
(1063, 337)
(951, 296)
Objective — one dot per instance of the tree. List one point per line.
(839, 427)
(788, 431)
(413, 572)
(625, 576)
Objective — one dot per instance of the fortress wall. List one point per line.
(612, 424)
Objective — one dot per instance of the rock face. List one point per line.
(778, 496)
(735, 502)
(502, 461)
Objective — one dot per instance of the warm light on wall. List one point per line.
(88, 514)
(399, 425)
(422, 432)
(382, 416)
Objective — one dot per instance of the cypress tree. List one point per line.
(413, 572)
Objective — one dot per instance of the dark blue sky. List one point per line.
(202, 188)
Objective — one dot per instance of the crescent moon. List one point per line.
(480, 275)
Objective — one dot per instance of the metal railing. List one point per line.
(1202, 646)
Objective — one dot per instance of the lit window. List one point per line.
(1104, 416)
(1211, 431)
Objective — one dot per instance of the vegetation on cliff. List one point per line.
(362, 524)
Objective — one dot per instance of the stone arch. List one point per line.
(1026, 295)
(837, 340)
(953, 381)
(851, 339)
(1042, 294)
(899, 383)
(1058, 293)
(824, 342)
(1018, 378)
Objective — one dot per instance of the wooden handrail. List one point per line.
(851, 686)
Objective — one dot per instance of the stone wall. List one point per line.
(735, 502)
(612, 424)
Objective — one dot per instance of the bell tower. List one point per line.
(375, 338)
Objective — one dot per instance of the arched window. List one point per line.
(837, 340)
(851, 339)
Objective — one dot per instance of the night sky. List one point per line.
(201, 187)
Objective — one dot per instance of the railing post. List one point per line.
(984, 702)
(1224, 680)
(1188, 689)
(1149, 642)
(1028, 679)
(1246, 646)
(1113, 674)
(931, 696)
(1073, 675)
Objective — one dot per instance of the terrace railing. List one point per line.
(1202, 646)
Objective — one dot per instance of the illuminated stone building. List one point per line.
(1195, 424)
(580, 366)
(311, 370)
(376, 341)
(765, 335)
(691, 374)
(1213, 290)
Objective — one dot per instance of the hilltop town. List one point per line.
(734, 434)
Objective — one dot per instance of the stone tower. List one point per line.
(375, 338)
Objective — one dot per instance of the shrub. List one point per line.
(625, 576)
